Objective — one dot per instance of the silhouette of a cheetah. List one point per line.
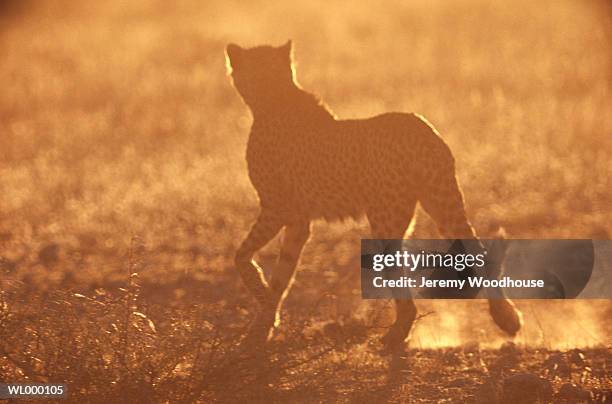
(306, 164)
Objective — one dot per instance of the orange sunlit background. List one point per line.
(122, 152)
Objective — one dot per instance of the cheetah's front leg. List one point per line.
(295, 237)
(265, 228)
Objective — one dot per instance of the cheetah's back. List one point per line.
(342, 168)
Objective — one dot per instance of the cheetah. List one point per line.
(307, 164)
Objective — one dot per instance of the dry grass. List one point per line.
(121, 152)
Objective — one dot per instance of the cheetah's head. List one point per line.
(260, 73)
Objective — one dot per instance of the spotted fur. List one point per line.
(307, 164)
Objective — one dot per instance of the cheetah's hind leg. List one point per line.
(503, 311)
(391, 223)
(443, 201)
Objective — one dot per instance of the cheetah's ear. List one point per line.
(287, 49)
(234, 53)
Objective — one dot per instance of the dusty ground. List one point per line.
(122, 152)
